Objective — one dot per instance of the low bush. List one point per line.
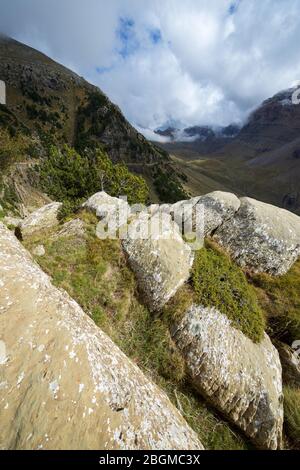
(71, 178)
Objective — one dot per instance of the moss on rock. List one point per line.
(219, 283)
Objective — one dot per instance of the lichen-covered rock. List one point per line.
(73, 228)
(104, 206)
(290, 362)
(162, 263)
(63, 383)
(43, 218)
(262, 237)
(240, 378)
(218, 207)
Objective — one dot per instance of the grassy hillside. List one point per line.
(58, 107)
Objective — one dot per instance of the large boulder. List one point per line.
(43, 218)
(63, 383)
(105, 207)
(162, 263)
(240, 378)
(262, 237)
(217, 207)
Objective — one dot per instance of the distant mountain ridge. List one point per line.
(198, 133)
(262, 160)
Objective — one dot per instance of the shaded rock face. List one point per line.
(161, 264)
(240, 378)
(63, 383)
(262, 237)
(43, 218)
(290, 364)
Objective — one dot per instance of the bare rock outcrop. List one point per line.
(63, 383)
(162, 263)
(218, 207)
(262, 237)
(43, 218)
(72, 228)
(240, 378)
(105, 206)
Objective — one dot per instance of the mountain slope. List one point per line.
(262, 161)
(59, 106)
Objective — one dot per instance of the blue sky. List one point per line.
(184, 61)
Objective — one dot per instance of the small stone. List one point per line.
(39, 250)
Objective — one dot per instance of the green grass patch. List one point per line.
(280, 299)
(219, 283)
(292, 415)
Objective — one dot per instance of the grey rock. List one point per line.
(240, 378)
(108, 208)
(13, 222)
(73, 228)
(39, 250)
(162, 264)
(262, 237)
(218, 207)
(43, 218)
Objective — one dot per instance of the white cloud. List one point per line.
(189, 61)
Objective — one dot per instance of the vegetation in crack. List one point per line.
(219, 283)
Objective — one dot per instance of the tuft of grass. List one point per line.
(280, 299)
(292, 415)
(178, 305)
(213, 431)
(219, 283)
